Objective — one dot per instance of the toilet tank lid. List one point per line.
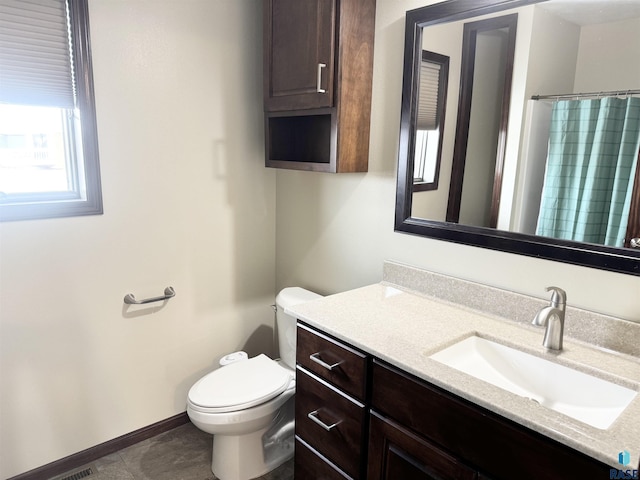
(290, 296)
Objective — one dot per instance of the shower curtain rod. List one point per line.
(590, 94)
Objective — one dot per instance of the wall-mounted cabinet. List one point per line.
(318, 69)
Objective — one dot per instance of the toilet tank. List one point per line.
(289, 297)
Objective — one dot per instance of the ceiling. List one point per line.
(589, 12)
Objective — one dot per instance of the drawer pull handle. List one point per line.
(315, 357)
(314, 416)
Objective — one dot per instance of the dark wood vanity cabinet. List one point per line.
(318, 71)
(488, 444)
(360, 418)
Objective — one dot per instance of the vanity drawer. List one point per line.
(333, 361)
(310, 465)
(330, 422)
(482, 438)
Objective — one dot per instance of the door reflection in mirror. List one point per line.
(488, 51)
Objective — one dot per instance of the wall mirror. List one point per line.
(519, 72)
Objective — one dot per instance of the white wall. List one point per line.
(597, 59)
(334, 231)
(187, 203)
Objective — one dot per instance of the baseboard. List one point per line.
(79, 459)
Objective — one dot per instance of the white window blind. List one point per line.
(428, 96)
(35, 54)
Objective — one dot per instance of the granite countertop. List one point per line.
(403, 328)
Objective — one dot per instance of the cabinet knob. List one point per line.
(319, 88)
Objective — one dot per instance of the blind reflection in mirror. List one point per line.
(432, 97)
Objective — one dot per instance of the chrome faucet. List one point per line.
(553, 318)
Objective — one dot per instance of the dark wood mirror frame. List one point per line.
(585, 254)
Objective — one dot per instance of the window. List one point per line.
(432, 97)
(48, 139)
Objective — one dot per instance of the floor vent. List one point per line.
(87, 472)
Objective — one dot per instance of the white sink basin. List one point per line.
(583, 397)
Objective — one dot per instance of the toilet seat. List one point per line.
(240, 385)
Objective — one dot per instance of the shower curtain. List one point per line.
(593, 152)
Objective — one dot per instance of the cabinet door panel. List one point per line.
(395, 453)
(299, 39)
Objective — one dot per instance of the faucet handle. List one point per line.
(558, 297)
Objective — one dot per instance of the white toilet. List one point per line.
(248, 404)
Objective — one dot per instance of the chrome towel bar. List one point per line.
(169, 292)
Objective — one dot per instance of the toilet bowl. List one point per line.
(248, 404)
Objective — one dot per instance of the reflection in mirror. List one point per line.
(432, 97)
(488, 48)
(588, 182)
(561, 47)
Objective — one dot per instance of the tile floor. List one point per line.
(183, 453)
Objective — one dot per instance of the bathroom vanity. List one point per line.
(371, 403)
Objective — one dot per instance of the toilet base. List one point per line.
(248, 456)
(231, 462)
